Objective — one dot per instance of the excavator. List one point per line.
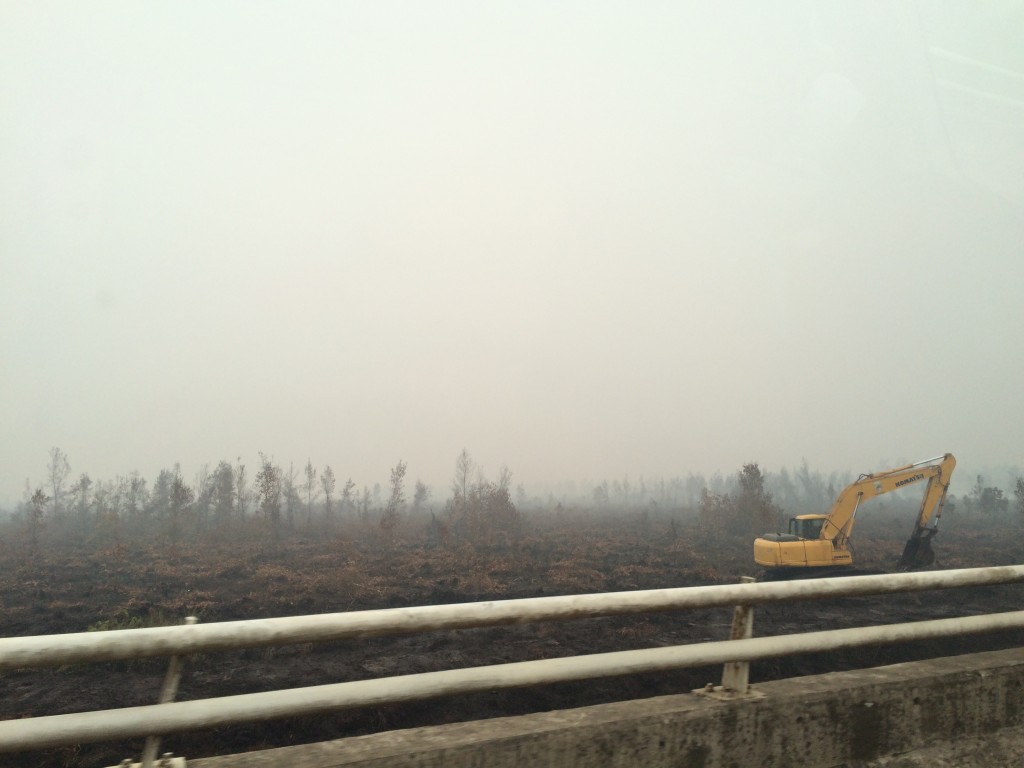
(820, 544)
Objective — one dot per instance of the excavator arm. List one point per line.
(839, 523)
(918, 550)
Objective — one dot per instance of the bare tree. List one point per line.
(716, 511)
(522, 499)
(463, 478)
(460, 509)
(392, 511)
(118, 498)
(505, 477)
(785, 488)
(348, 496)
(755, 507)
(290, 491)
(268, 490)
(223, 493)
(112, 495)
(36, 511)
(182, 497)
(57, 471)
(203, 486)
(104, 513)
(815, 494)
(420, 496)
(136, 495)
(327, 482)
(242, 492)
(81, 491)
(312, 492)
(498, 510)
(159, 500)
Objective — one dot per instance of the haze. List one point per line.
(583, 240)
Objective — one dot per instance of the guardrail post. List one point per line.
(736, 675)
(167, 693)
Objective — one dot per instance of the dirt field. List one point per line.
(73, 586)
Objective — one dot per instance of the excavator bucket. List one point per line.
(917, 554)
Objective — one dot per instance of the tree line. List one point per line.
(797, 491)
(278, 499)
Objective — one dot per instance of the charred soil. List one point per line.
(77, 585)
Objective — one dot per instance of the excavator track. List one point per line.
(824, 572)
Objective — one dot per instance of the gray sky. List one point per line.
(580, 239)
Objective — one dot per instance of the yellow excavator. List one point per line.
(819, 544)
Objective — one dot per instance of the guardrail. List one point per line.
(174, 717)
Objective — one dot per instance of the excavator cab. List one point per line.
(807, 526)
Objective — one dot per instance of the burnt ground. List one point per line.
(78, 583)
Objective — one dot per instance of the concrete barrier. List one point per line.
(933, 713)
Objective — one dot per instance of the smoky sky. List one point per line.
(579, 239)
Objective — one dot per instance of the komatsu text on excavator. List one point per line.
(822, 542)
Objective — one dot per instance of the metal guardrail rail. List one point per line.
(174, 717)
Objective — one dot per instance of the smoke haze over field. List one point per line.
(581, 240)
